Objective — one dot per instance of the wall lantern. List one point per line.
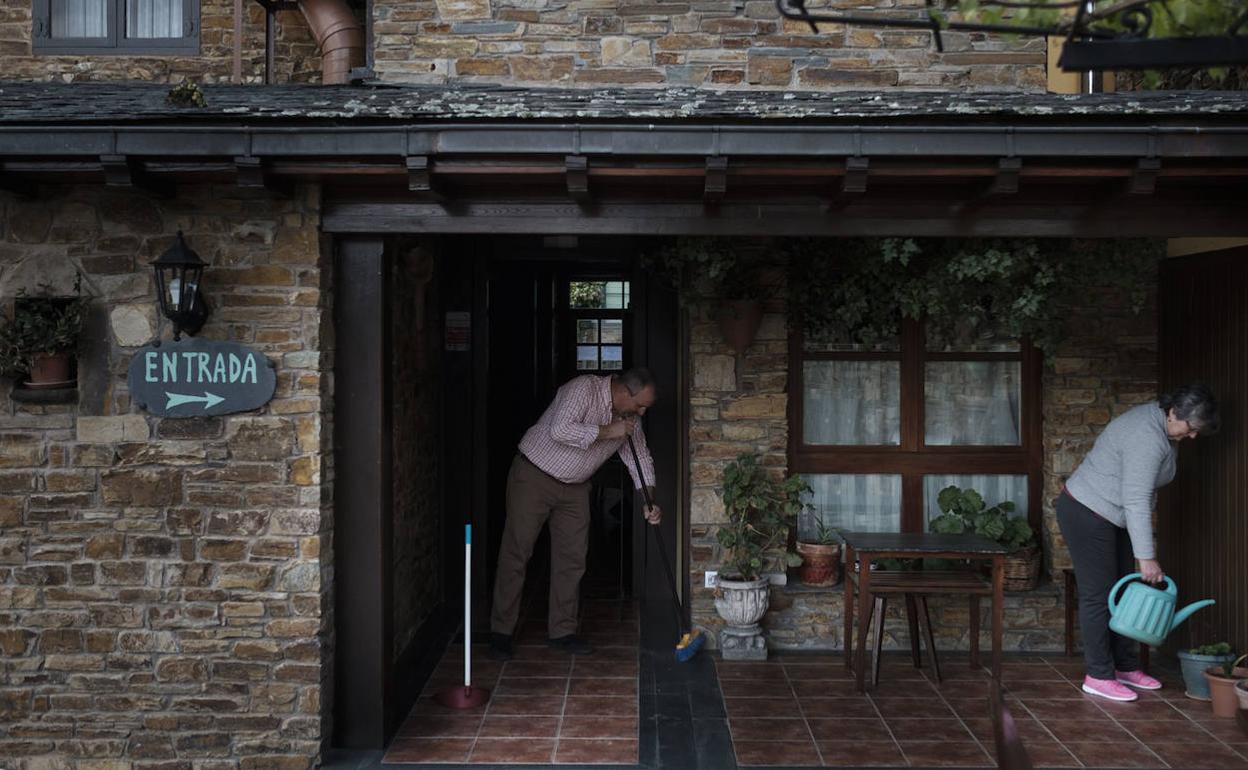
(178, 272)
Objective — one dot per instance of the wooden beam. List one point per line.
(251, 173)
(1006, 180)
(855, 180)
(716, 180)
(1143, 179)
(577, 169)
(420, 179)
(17, 185)
(125, 171)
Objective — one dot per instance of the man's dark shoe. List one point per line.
(500, 646)
(571, 644)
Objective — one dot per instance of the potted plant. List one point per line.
(730, 276)
(40, 339)
(1222, 679)
(1193, 663)
(964, 510)
(821, 556)
(760, 510)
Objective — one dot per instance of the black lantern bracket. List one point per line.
(179, 272)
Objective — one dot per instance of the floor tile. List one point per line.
(616, 687)
(545, 686)
(596, 706)
(773, 753)
(1062, 690)
(756, 688)
(1030, 730)
(1044, 754)
(903, 688)
(429, 750)
(1225, 730)
(849, 730)
(596, 751)
(1197, 756)
(760, 707)
(861, 754)
(946, 754)
(750, 671)
(436, 726)
(1167, 731)
(529, 668)
(922, 708)
(1061, 709)
(856, 708)
(513, 751)
(811, 672)
(596, 727)
(1101, 754)
(824, 688)
(1075, 730)
(526, 705)
(909, 729)
(427, 706)
(965, 688)
(588, 668)
(519, 727)
(1143, 710)
(769, 729)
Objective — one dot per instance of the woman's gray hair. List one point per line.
(1195, 404)
(637, 379)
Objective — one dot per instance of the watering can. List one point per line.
(1147, 614)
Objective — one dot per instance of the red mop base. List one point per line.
(460, 697)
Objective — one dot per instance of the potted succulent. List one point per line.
(964, 510)
(733, 279)
(760, 510)
(1222, 680)
(40, 339)
(1193, 663)
(821, 556)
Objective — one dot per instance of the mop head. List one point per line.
(689, 645)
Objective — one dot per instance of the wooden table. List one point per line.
(863, 547)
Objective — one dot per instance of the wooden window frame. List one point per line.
(570, 315)
(115, 42)
(912, 459)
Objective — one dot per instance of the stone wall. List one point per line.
(297, 59)
(1107, 365)
(416, 375)
(714, 43)
(164, 592)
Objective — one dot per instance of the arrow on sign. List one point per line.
(209, 400)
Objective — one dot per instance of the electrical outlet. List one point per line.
(712, 577)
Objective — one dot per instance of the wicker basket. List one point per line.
(1022, 570)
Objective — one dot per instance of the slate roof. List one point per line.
(116, 103)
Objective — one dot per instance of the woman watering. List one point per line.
(1105, 513)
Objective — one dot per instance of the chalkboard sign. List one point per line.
(198, 378)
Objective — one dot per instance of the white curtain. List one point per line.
(153, 18)
(852, 503)
(855, 403)
(79, 18)
(994, 489)
(972, 403)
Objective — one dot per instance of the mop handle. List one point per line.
(467, 605)
(667, 566)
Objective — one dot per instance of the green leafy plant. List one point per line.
(761, 509)
(1218, 648)
(187, 94)
(719, 266)
(964, 510)
(825, 535)
(42, 323)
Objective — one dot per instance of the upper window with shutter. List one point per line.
(136, 27)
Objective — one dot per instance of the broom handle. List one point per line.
(467, 605)
(667, 566)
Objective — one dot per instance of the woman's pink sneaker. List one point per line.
(1108, 688)
(1138, 680)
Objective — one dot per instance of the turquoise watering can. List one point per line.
(1147, 614)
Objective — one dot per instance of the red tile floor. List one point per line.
(804, 711)
(546, 706)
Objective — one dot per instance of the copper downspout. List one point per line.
(338, 35)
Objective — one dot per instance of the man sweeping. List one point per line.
(590, 419)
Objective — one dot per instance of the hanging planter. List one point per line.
(739, 321)
(37, 346)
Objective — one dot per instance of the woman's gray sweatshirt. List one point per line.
(1119, 477)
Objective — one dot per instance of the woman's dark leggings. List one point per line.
(1102, 554)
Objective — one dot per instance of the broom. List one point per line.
(691, 639)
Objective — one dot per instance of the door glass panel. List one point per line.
(852, 503)
(587, 357)
(851, 402)
(612, 357)
(613, 330)
(587, 330)
(973, 403)
(993, 488)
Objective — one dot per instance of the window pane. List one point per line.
(586, 294)
(852, 503)
(842, 343)
(994, 489)
(153, 18)
(79, 18)
(851, 402)
(973, 403)
(612, 357)
(967, 339)
(586, 330)
(612, 330)
(615, 295)
(587, 357)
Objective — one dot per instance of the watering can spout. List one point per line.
(1186, 612)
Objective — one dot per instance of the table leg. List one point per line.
(881, 605)
(848, 638)
(926, 619)
(998, 613)
(864, 612)
(974, 632)
(912, 616)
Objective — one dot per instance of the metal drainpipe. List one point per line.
(338, 35)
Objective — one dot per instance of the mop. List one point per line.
(466, 696)
(692, 639)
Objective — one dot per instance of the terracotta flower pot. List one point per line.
(50, 369)
(821, 564)
(739, 321)
(1222, 692)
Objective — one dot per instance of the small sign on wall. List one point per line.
(458, 330)
(199, 378)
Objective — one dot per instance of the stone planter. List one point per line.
(1193, 666)
(742, 603)
(821, 564)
